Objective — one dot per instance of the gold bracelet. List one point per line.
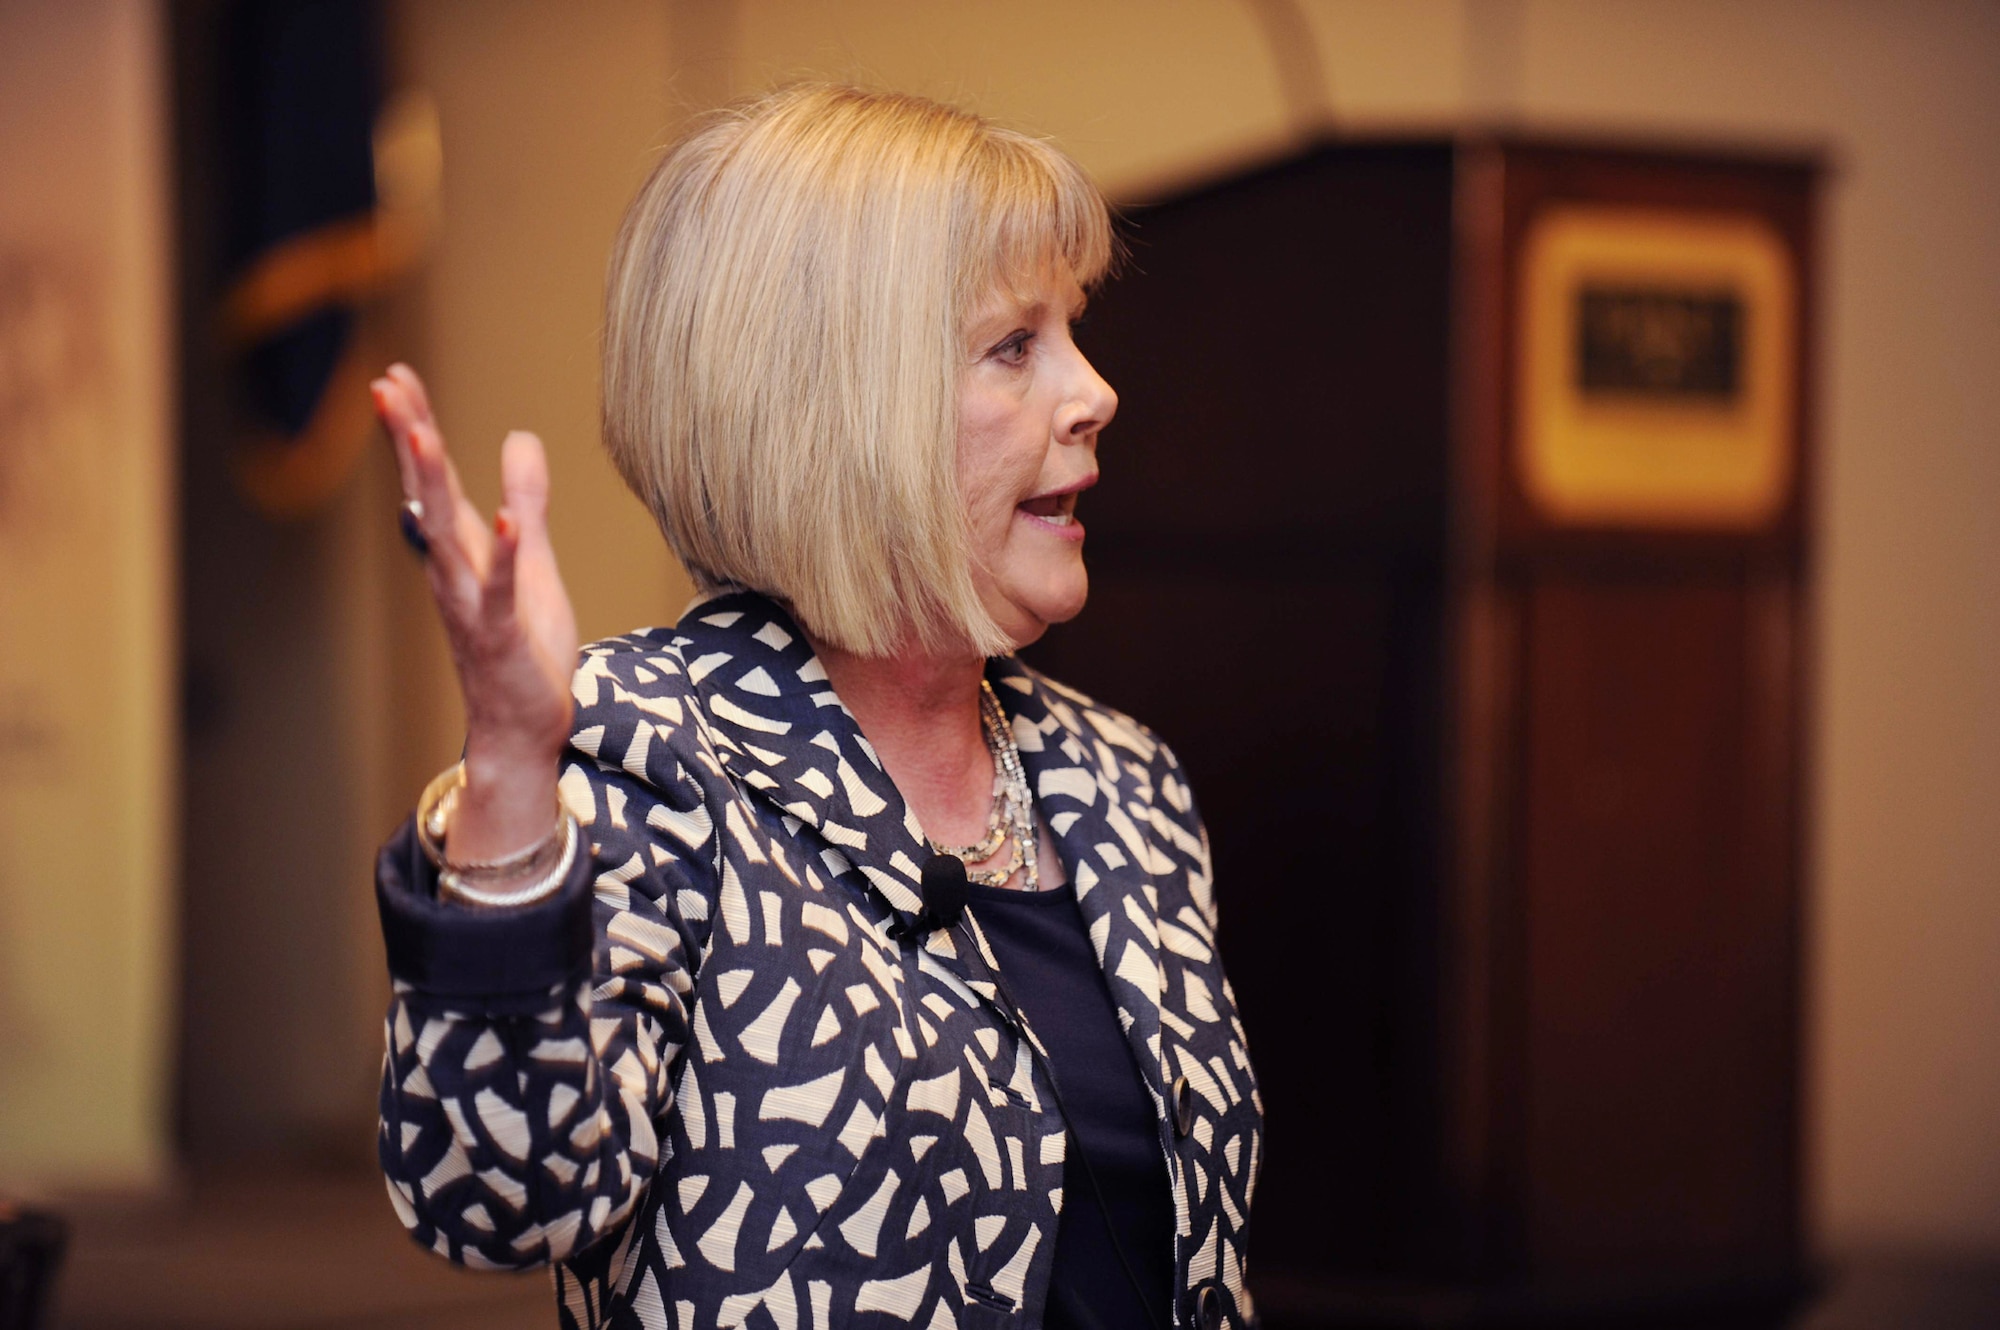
(547, 861)
(453, 885)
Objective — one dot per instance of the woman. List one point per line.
(685, 1002)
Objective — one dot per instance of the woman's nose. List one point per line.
(1092, 402)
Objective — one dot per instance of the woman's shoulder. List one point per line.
(681, 680)
(1089, 730)
(669, 705)
(638, 713)
(1085, 716)
(637, 675)
(1118, 768)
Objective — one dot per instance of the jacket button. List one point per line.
(1183, 1106)
(1208, 1309)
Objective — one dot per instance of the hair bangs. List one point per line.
(1025, 208)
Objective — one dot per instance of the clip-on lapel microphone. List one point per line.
(944, 891)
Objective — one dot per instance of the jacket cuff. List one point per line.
(502, 961)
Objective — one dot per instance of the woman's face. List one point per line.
(1029, 411)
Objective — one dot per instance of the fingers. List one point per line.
(496, 592)
(423, 421)
(524, 473)
(407, 379)
(453, 529)
(524, 486)
(413, 434)
(393, 409)
(496, 615)
(454, 542)
(404, 405)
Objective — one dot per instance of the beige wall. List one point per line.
(550, 114)
(550, 118)
(86, 650)
(334, 695)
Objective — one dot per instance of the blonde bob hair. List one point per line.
(784, 337)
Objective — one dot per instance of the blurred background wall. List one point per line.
(550, 115)
(88, 925)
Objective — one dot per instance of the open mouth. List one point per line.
(1055, 512)
(1055, 509)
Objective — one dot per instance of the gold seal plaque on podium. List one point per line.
(1657, 362)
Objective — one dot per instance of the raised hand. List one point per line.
(508, 618)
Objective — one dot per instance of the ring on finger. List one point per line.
(410, 518)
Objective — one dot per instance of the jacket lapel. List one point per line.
(1079, 782)
(780, 730)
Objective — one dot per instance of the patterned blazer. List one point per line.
(708, 1085)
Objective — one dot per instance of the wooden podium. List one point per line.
(1455, 531)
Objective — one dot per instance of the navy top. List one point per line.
(1044, 949)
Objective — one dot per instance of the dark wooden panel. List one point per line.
(1296, 706)
(1659, 1006)
(1537, 176)
(1279, 347)
(1265, 553)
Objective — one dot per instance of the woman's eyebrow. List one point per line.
(1012, 316)
(1029, 312)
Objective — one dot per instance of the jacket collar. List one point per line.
(1084, 765)
(778, 727)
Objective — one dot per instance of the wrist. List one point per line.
(505, 798)
(501, 815)
(474, 845)
(500, 761)
(525, 878)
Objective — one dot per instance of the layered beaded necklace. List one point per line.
(1012, 821)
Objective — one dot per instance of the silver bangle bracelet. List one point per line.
(454, 885)
(490, 882)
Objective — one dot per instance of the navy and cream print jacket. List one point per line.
(710, 1087)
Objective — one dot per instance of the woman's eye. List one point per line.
(1015, 349)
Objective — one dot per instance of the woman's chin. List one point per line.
(1027, 616)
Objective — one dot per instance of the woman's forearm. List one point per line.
(506, 1141)
(529, 1058)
